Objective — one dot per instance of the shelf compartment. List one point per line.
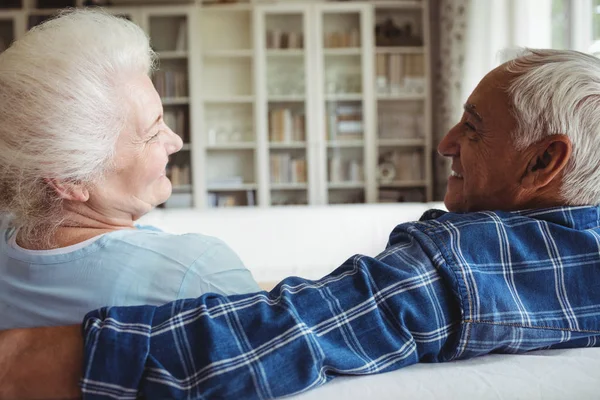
(169, 33)
(226, 29)
(223, 77)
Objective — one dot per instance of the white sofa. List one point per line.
(311, 241)
(303, 241)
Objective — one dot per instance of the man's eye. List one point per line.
(154, 136)
(469, 126)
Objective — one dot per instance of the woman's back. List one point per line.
(126, 267)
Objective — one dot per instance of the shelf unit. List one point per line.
(287, 102)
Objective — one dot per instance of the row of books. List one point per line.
(342, 39)
(286, 126)
(242, 198)
(179, 175)
(176, 120)
(285, 168)
(344, 122)
(342, 170)
(171, 83)
(399, 72)
(284, 40)
(395, 123)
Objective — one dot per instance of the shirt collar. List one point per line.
(576, 217)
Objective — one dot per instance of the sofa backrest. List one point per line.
(304, 241)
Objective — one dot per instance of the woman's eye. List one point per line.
(154, 136)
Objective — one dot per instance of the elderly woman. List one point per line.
(83, 151)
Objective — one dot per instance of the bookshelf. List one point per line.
(285, 102)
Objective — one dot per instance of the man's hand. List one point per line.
(41, 363)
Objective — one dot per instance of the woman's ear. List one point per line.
(548, 161)
(69, 190)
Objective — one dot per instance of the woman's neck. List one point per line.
(79, 224)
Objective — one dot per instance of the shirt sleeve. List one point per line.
(370, 315)
(218, 270)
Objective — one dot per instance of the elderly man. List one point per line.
(513, 268)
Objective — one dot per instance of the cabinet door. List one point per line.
(228, 171)
(403, 103)
(284, 104)
(344, 90)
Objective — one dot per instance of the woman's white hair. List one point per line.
(558, 92)
(62, 108)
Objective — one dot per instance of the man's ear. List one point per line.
(548, 161)
(69, 190)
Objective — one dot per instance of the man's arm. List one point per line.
(371, 315)
(41, 363)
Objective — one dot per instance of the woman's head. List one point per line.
(74, 93)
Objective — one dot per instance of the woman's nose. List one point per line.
(174, 142)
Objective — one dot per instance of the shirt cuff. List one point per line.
(117, 343)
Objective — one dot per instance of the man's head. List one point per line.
(529, 136)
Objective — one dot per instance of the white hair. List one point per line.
(62, 108)
(558, 92)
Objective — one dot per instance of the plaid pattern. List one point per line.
(451, 286)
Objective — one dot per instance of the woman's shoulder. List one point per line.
(185, 248)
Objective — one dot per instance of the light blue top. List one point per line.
(121, 268)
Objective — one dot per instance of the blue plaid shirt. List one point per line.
(452, 286)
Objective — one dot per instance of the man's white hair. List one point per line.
(558, 92)
(62, 108)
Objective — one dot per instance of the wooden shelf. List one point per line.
(232, 188)
(400, 97)
(175, 101)
(284, 52)
(229, 53)
(230, 99)
(289, 186)
(287, 145)
(408, 142)
(403, 184)
(232, 146)
(172, 55)
(397, 4)
(345, 143)
(343, 51)
(344, 97)
(400, 50)
(282, 98)
(346, 185)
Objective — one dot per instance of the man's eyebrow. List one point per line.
(470, 108)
